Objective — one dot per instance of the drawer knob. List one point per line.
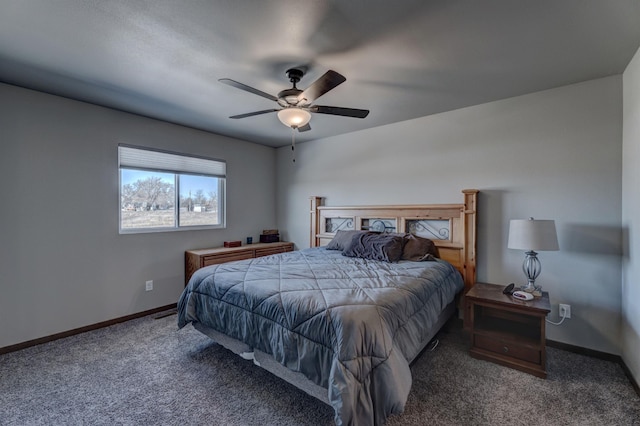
(505, 349)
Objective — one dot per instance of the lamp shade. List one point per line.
(532, 234)
(294, 117)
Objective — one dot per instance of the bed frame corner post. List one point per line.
(470, 228)
(315, 224)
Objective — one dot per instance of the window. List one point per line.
(163, 191)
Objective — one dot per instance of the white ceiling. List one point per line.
(403, 59)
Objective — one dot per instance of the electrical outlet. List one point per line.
(564, 310)
(149, 285)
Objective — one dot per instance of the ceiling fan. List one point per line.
(297, 105)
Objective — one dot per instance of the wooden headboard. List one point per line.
(452, 227)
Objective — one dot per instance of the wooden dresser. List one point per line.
(196, 259)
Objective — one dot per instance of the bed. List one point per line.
(343, 319)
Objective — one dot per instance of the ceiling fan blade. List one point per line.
(247, 88)
(346, 112)
(304, 128)
(328, 81)
(251, 114)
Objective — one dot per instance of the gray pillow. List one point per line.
(418, 249)
(385, 247)
(342, 239)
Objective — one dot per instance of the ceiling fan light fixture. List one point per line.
(294, 117)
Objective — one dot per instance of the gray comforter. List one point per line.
(348, 324)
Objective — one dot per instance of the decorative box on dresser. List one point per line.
(196, 259)
(507, 331)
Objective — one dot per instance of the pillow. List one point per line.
(373, 246)
(418, 249)
(342, 239)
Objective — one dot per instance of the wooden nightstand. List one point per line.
(196, 259)
(507, 331)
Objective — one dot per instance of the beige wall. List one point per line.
(555, 154)
(63, 264)
(631, 218)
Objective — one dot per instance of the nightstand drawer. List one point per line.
(507, 349)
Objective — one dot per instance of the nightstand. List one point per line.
(507, 331)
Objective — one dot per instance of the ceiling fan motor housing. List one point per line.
(289, 97)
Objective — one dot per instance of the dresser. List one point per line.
(196, 259)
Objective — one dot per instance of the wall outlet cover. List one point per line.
(564, 310)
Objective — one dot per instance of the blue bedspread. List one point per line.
(348, 324)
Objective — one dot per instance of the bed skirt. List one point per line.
(266, 361)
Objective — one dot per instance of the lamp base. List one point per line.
(531, 268)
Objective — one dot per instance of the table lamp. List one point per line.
(531, 235)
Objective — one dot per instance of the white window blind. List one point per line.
(163, 161)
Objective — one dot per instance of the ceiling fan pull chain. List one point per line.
(293, 143)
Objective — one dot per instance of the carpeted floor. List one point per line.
(146, 372)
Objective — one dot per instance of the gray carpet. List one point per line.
(146, 372)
